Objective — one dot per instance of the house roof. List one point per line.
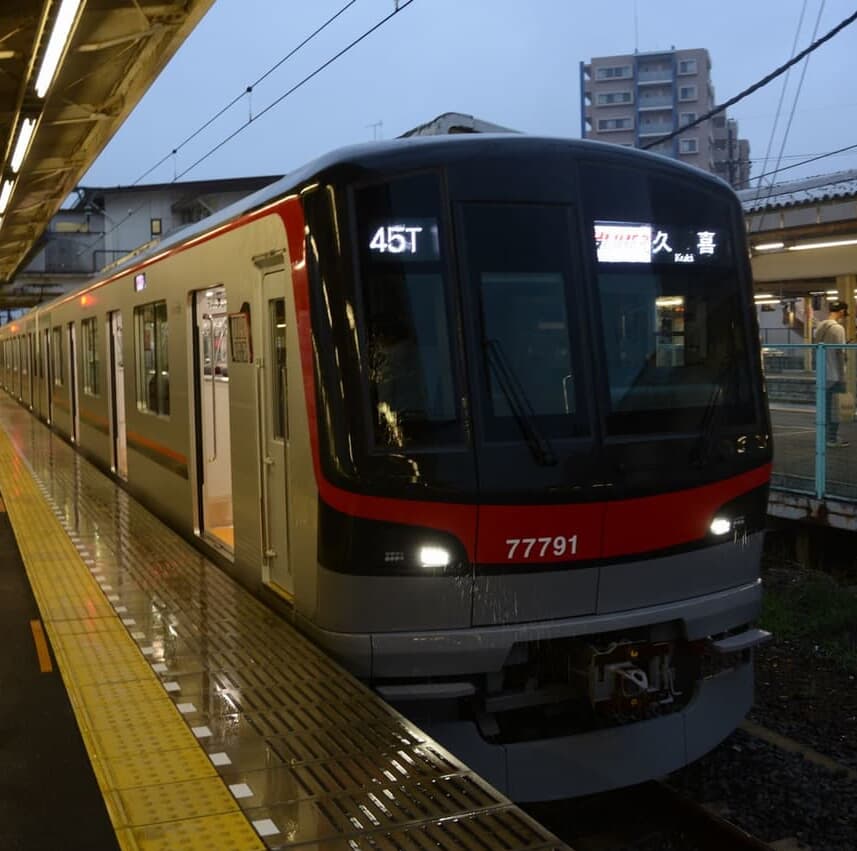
(822, 188)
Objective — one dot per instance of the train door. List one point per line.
(35, 370)
(35, 366)
(214, 454)
(117, 395)
(19, 367)
(47, 369)
(26, 378)
(72, 381)
(16, 382)
(274, 414)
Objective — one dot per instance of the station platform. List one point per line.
(208, 721)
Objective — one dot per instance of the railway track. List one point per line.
(658, 816)
(647, 817)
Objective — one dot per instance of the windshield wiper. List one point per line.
(701, 453)
(520, 405)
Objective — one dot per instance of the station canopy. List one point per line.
(71, 71)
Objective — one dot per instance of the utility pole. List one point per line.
(729, 152)
(376, 130)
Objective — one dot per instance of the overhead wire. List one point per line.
(799, 87)
(247, 91)
(783, 90)
(758, 85)
(810, 160)
(794, 105)
(398, 8)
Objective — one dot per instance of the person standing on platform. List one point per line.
(832, 332)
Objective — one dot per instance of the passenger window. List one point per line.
(278, 365)
(56, 353)
(89, 331)
(152, 355)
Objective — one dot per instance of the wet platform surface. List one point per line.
(209, 721)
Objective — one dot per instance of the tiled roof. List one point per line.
(838, 186)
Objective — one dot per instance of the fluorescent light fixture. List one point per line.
(434, 557)
(7, 54)
(831, 292)
(25, 134)
(5, 194)
(721, 526)
(56, 45)
(833, 244)
(669, 301)
(769, 246)
(757, 296)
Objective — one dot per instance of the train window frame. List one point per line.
(151, 358)
(444, 268)
(90, 362)
(622, 418)
(492, 369)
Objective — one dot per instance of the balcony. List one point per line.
(659, 102)
(647, 78)
(660, 129)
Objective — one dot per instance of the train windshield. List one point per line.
(672, 318)
(408, 360)
(518, 266)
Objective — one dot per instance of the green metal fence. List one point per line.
(803, 406)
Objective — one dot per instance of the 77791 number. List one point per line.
(541, 547)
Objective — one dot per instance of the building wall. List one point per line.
(106, 224)
(635, 99)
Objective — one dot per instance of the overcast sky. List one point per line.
(511, 62)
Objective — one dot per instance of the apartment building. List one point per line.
(636, 99)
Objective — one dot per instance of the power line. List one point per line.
(398, 8)
(794, 106)
(756, 86)
(783, 90)
(236, 99)
(246, 91)
(810, 160)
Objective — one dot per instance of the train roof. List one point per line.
(398, 155)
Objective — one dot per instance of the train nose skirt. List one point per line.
(210, 722)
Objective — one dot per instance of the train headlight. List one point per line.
(721, 526)
(434, 557)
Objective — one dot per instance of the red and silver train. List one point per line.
(483, 415)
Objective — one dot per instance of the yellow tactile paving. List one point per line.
(142, 769)
(223, 833)
(160, 788)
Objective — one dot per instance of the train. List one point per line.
(483, 416)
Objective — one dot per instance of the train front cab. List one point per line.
(544, 456)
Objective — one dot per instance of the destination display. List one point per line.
(630, 242)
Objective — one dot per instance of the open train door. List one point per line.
(273, 415)
(214, 453)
